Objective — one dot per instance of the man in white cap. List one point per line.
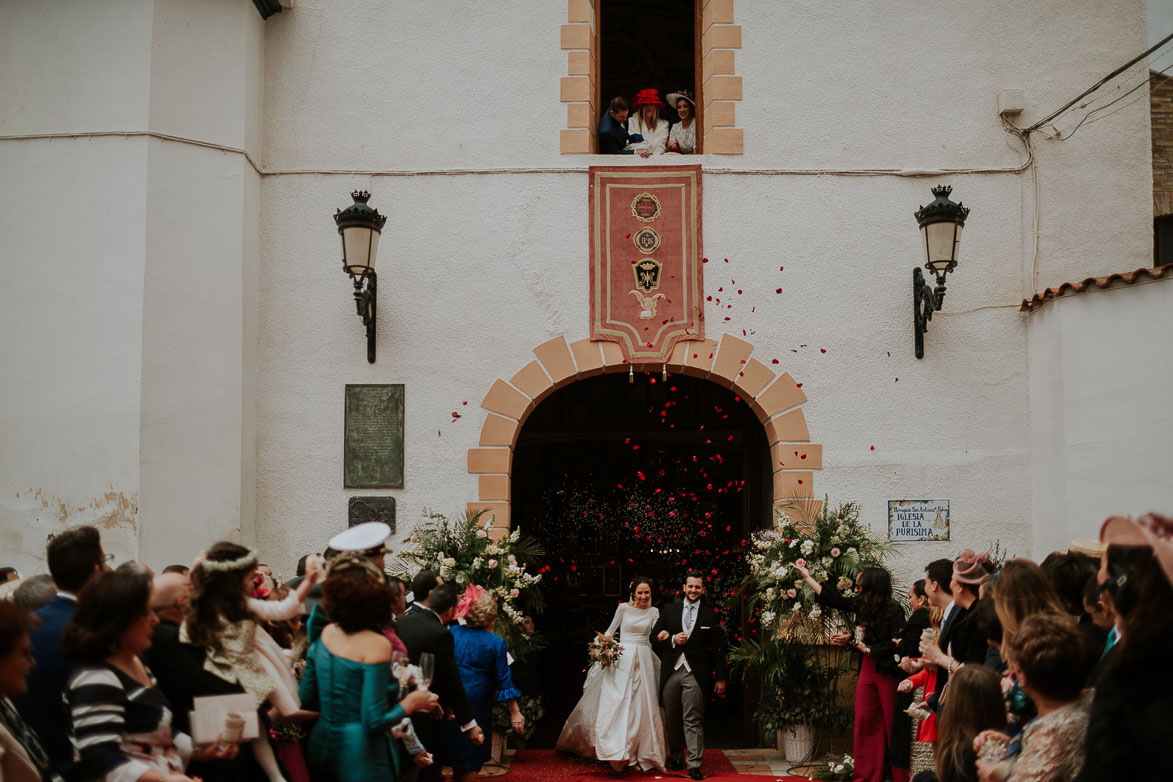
(369, 539)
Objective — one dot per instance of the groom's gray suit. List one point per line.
(686, 675)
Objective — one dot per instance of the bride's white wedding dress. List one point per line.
(618, 716)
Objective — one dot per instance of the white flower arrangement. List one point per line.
(463, 551)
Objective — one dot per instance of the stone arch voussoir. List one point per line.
(775, 398)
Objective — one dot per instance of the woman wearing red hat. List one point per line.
(648, 123)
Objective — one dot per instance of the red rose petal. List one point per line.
(775, 361)
(777, 290)
(798, 385)
(873, 447)
(822, 350)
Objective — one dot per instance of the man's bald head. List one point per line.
(170, 595)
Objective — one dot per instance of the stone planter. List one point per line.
(797, 742)
(497, 748)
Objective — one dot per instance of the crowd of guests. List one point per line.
(1026, 672)
(1023, 673)
(641, 128)
(345, 673)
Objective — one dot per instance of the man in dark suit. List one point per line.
(612, 134)
(421, 586)
(960, 641)
(75, 556)
(689, 641)
(426, 630)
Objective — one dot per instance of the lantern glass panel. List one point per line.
(941, 241)
(360, 245)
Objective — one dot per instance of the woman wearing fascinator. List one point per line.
(618, 717)
(483, 660)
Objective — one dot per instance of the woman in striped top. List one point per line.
(121, 720)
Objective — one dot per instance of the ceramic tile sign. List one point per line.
(912, 520)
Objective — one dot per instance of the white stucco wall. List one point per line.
(128, 384)
(477, 270)
(1101, 370)
(243, 328)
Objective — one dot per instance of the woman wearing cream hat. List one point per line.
(682, 136)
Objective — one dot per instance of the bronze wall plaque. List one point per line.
(364, 509)
(373, 451)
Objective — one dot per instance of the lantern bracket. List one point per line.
(365, 301)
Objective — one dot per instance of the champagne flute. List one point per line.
(427, 668)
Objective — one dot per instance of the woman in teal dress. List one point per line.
(484, 671)
(346, 679)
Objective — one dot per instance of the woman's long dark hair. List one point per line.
(217, 596)
(107, 605)
(875, 594)
(1143, 597)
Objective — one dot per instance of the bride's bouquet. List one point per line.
(604, 651)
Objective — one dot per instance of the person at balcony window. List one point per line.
(648, 123)
(682, 136)
(613, 135)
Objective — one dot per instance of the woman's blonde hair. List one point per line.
(1021, 590)
(483, 613)
(935, 616)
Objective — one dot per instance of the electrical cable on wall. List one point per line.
(1099, 84)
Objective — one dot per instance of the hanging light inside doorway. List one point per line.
(940, 225)
(359, 226)
(664, 373)
(630, 373)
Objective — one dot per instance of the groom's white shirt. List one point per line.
(681, 660)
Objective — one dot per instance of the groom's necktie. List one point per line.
(689, 616)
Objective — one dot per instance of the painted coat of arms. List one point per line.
(645, 263)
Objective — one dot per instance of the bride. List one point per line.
(618, 717)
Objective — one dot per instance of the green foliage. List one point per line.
(833, 770)
(797, 683)
(790, 656)
(531, 708)
(463, 551)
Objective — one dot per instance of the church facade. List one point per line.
(179, 339)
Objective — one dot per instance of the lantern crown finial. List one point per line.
(360, 213)
(942, 209)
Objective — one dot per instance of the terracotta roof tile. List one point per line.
(1142, 274)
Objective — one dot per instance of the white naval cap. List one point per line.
(361, 537)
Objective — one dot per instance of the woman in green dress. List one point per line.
(346, 679)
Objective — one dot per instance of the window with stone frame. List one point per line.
(617, 47)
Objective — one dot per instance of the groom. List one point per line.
(689, 642)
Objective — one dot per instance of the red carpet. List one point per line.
(546, 765)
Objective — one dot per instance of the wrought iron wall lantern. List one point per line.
(359, 226)
(940, 226)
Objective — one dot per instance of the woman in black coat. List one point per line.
(880, 621)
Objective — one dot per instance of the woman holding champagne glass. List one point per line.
(346, 679)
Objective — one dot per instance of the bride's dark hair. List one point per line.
(635, 582)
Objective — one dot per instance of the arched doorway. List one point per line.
(728, 366)
(619, 477)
